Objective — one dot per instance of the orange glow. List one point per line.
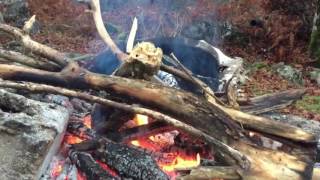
(139, 119)
(71, 139)
(181, 162)
(87, 121)
(135, 143)
(57, 169)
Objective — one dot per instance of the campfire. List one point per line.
(169, 108)
(171, 157)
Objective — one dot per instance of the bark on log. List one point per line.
(214, 172)
(90, 167)
(128, 162)
(274, 101)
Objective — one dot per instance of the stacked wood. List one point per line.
(205, 117)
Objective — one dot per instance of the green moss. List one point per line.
(253, 67)
(310, 103)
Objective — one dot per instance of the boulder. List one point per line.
(16, 12)
(315, 76)
(288, 72)
(30, 134)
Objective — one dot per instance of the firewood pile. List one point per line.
(227, 126)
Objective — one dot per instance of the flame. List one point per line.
(179, 161)
(140, 119)
(87, 121)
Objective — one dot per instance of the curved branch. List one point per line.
(96, 11)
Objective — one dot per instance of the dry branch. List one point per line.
(36, 47)
(28, 61)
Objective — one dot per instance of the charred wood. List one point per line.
(88, 166)
(145, 130)
(129, 162)
(79, 129)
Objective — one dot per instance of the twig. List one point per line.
(224, 149)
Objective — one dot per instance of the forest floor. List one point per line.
(66, 27)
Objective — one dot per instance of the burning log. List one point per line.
(90, 167)
(127, 161)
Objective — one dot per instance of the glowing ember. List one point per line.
(181, 162)
(87, 121)
(107, 168)
(71, 139)
(140, 119)
(178, 162)
(57, 169)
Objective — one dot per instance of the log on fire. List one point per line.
(127, 162)
(90, 167)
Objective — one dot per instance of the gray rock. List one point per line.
(288, 72)
(315, 76)
(6, 2)
(30, 134)
(16, 12)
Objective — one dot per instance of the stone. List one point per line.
(16, 12)
(30, 134)
(288, 72)
(315, 76)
